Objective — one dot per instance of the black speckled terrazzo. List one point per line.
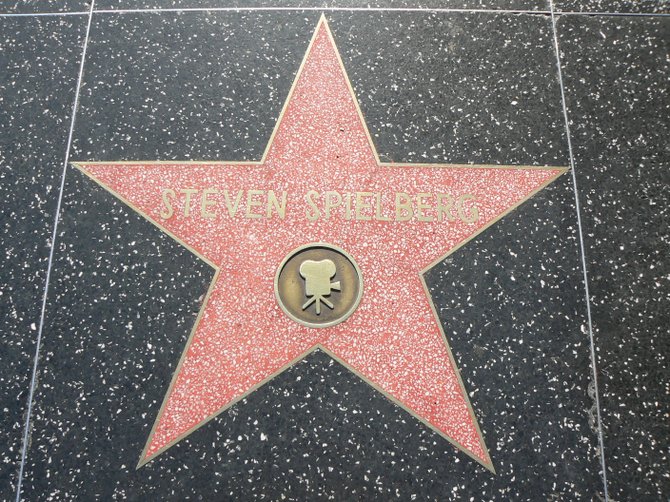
(512, 309)
(462, 95)
(620, 135)
(433, 87)
(39, 60)
(141, 67)
(490, 111)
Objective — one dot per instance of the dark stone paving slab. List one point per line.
(41, 6)
(40, 61)
(346, 4)
(124, 299)
(456, 88)
(616, 74)
(475, 88)
(461, 91)
(187, 86)
(616, 6)
(512, 305)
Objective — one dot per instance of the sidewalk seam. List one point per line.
(33, 378)
(582, 249)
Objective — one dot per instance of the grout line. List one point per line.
(582, 249)
(337, 9)
(33, 378)
(42, 14)
(370, 9)
(317, 9)
(376, 9)
(614, 14)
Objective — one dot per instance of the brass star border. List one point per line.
(87, 168)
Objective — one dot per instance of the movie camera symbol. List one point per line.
(317, 275)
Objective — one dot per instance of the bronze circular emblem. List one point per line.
(318, 285)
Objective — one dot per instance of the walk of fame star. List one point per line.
(319, 181)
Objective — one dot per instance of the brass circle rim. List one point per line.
(337, 249)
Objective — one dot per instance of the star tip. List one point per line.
(143, 461)
(487, 461)
(560, 171)
(82, 168)
(323, 24)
